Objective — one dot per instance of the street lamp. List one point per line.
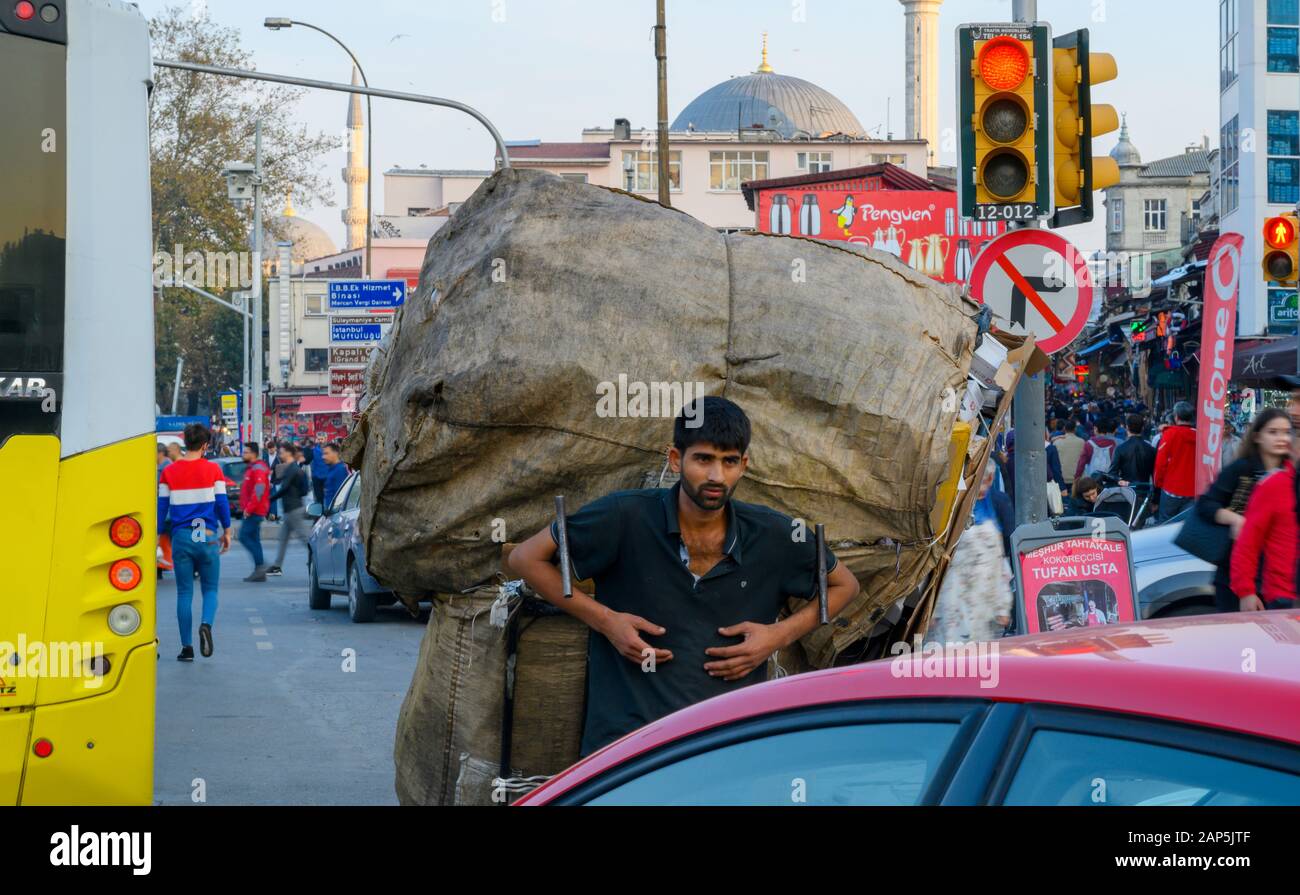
(275, 24)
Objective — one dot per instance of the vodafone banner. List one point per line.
(1218, 328)
(921, 227)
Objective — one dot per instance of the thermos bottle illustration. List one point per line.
(779, 216)
(810, 216)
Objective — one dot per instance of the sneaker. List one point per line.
(259, 574)
(205, 641)
(274, 570)
(187, 654)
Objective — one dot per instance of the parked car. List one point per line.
(232, 468)
(336, 559)
(1170, 581)
(1151, 713)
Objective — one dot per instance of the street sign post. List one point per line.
(347, 380)
(1035, 282)
(360, 295)
(349, 355)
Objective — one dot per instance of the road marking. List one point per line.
(259, 632)
(264, 644)
(255, 619)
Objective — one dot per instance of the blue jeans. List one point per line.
(188, 556)
(250, 535)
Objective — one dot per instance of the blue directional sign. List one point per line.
(359, 329)
(355, 295)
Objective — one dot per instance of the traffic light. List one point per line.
(1281, 250)
(1076, 122)
(1004, 104)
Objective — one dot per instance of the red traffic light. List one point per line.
(1279, 232)
(1003, 63)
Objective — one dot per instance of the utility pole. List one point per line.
(661, 55)
(176, 389)
(245, 415)
(1027, 410)
(256, 398)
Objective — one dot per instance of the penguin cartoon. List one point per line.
(845, 215)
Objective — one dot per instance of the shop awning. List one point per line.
(321, 404)
(1263, 361)
(1095, 346)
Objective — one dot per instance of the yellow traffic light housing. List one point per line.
(1281, 263)
(1076, 123)
(1004, 101)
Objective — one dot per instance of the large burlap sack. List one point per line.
(448, 745)
(539, 293)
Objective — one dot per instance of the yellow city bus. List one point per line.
(78, 644)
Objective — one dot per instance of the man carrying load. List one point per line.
(689, 582)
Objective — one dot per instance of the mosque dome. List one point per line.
(1125, 153)
(309, 240)
(787, 105)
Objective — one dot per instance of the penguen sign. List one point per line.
(1218, 327)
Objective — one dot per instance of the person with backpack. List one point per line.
(290, 488)
(255, 501)
(1097, 450)
(1265, 449)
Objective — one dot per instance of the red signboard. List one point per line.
(1218, 328)
(347, 380)
(921, 227)
(1076, 583)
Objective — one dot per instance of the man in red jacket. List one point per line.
(1268, 538)
(255, 501)
(1175, 473)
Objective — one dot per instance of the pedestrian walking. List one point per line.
(318, 469)
(1135, 460)
(1265, 449)
(255, 501)
(1175, 472)
(194, 510)
(290, 488)
(1097, 451)
(1069, 447)
(164, 460)
(1264, 558)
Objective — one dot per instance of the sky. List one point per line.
(546, 69)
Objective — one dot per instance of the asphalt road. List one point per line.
(273, 717)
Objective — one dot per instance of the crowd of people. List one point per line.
(194, 512)
(1247, 522)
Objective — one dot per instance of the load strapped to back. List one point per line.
(555, 332)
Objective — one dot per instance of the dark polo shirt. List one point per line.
(629, 543)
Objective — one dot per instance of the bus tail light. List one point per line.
(124, 531)
(42, 748)
(24, 10)
(124, 620)
(124, 574)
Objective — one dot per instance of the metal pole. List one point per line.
(1027, 410)
(370, 124)
(345, 88)
(176, 389)
(245, 420)
(661, 55)
(256, 402)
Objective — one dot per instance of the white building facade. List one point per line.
(1259, 139)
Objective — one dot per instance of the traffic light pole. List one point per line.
(1027, 409)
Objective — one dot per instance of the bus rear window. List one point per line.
(33, 226)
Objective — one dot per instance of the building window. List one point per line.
(316, 360)
(813, 162)
(1227, 42)
(729, 169)
(1153, 215)
(888, 158)
(1229, 152)
(1116, 215)
(1284, 12)
(645, 172)
(1283, 157)
(1282, 50)
(414, 212)
(582, 178)
(313, 305)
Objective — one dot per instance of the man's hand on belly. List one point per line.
(734, 662)
(624, 631)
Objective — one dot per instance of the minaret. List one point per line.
(355, 174)
(922, 73)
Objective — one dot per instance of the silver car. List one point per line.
(1170, 581)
